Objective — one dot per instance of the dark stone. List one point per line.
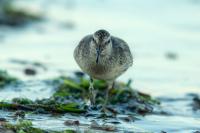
(2, 119)
(30, 71)
(72, 123)
(79, 74)
(171, 56)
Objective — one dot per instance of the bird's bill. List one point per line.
(98, 54)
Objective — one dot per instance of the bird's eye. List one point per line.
(93, 40)
(108, 42)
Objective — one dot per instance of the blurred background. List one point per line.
(37, 39)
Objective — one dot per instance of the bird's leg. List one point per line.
(110, 86)
(92, 92)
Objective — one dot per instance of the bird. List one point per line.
(103, 57)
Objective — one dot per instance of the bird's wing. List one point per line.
(123, 51)
(83, 47)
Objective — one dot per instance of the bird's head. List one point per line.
(101, 43)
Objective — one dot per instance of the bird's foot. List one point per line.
(95, 107)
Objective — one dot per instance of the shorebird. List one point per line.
(103, 57)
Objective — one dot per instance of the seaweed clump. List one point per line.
(122, 96)
(12, 16)
(25, 126)
(72, 95)
(42, 106)
(6, 79)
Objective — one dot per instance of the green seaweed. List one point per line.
(70, 88)
(72, 94)
(25, 126)
(55, 108)
(122, 95)
(22, 101)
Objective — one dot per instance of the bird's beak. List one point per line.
(98, 54)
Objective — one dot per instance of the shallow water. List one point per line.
(153, 29)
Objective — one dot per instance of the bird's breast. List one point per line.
(98, 69)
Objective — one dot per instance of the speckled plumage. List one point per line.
(114, 60)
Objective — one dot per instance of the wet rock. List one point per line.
(30, 71)
(171, 56)
(95, 125)
(72, 123)
(196, 103)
